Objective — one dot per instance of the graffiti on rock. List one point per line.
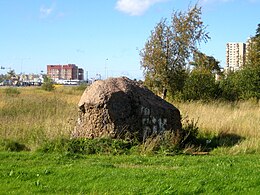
(151, 123)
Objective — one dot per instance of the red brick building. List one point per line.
(65, 72)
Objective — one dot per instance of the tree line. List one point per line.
(174, 68)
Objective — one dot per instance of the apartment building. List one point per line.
(80, 74)
(65, 72)
(235, 55)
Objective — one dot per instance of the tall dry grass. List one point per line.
(240, 118)
(35, 116)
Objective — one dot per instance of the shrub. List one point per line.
(81, 87)
(241, 85)
(229, 88)
(58, 145)
(88, 146)
(14, 146)
(48, 84)
(199, 86)
(171, 143)
(167, 143)
(12, 91)
(249, 83)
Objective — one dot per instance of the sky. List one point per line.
(105, 36)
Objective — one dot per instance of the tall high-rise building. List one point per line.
(235, 55)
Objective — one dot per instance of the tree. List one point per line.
(200, 85)
(241, 85)
(205, 63)
(258, 31)
(10, 74)
(245, 83)
(169, 48)
(229, 87)
(253, 48)
(249, 83)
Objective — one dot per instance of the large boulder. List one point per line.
(119, 107)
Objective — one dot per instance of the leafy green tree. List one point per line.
(10, 74)
(253, 48)
(241, 85)
(169, 48)
(2, 77)
(245, 83)
(205, 63)
(200, 85)
(229, 88)
(249, 83)
(258, 31)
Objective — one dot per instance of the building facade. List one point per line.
(65, 72)
(80, 74)
(235, 55)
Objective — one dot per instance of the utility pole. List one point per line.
(22, 60)
(87, 76)
(106, 68)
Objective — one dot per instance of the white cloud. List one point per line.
(46, 11)
(135, 7)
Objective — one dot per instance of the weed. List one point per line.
(82, 87)
(150, 145)
(48, 86)
(12, 91)
(171, 143)
(88, 146)
(14, 146)
(190, 131)
(166, 143)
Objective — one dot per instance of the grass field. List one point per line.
(34, 116)
(30, 118)
(27, 173)
(238, 119)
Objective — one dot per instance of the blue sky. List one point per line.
(105, 36)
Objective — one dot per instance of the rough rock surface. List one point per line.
(117, 107)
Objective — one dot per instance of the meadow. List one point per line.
(240, 119)
(34, 173)
(33, 120)
(32, 116)
(35, 116)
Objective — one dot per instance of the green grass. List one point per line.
(41, 122)
(35, 173)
